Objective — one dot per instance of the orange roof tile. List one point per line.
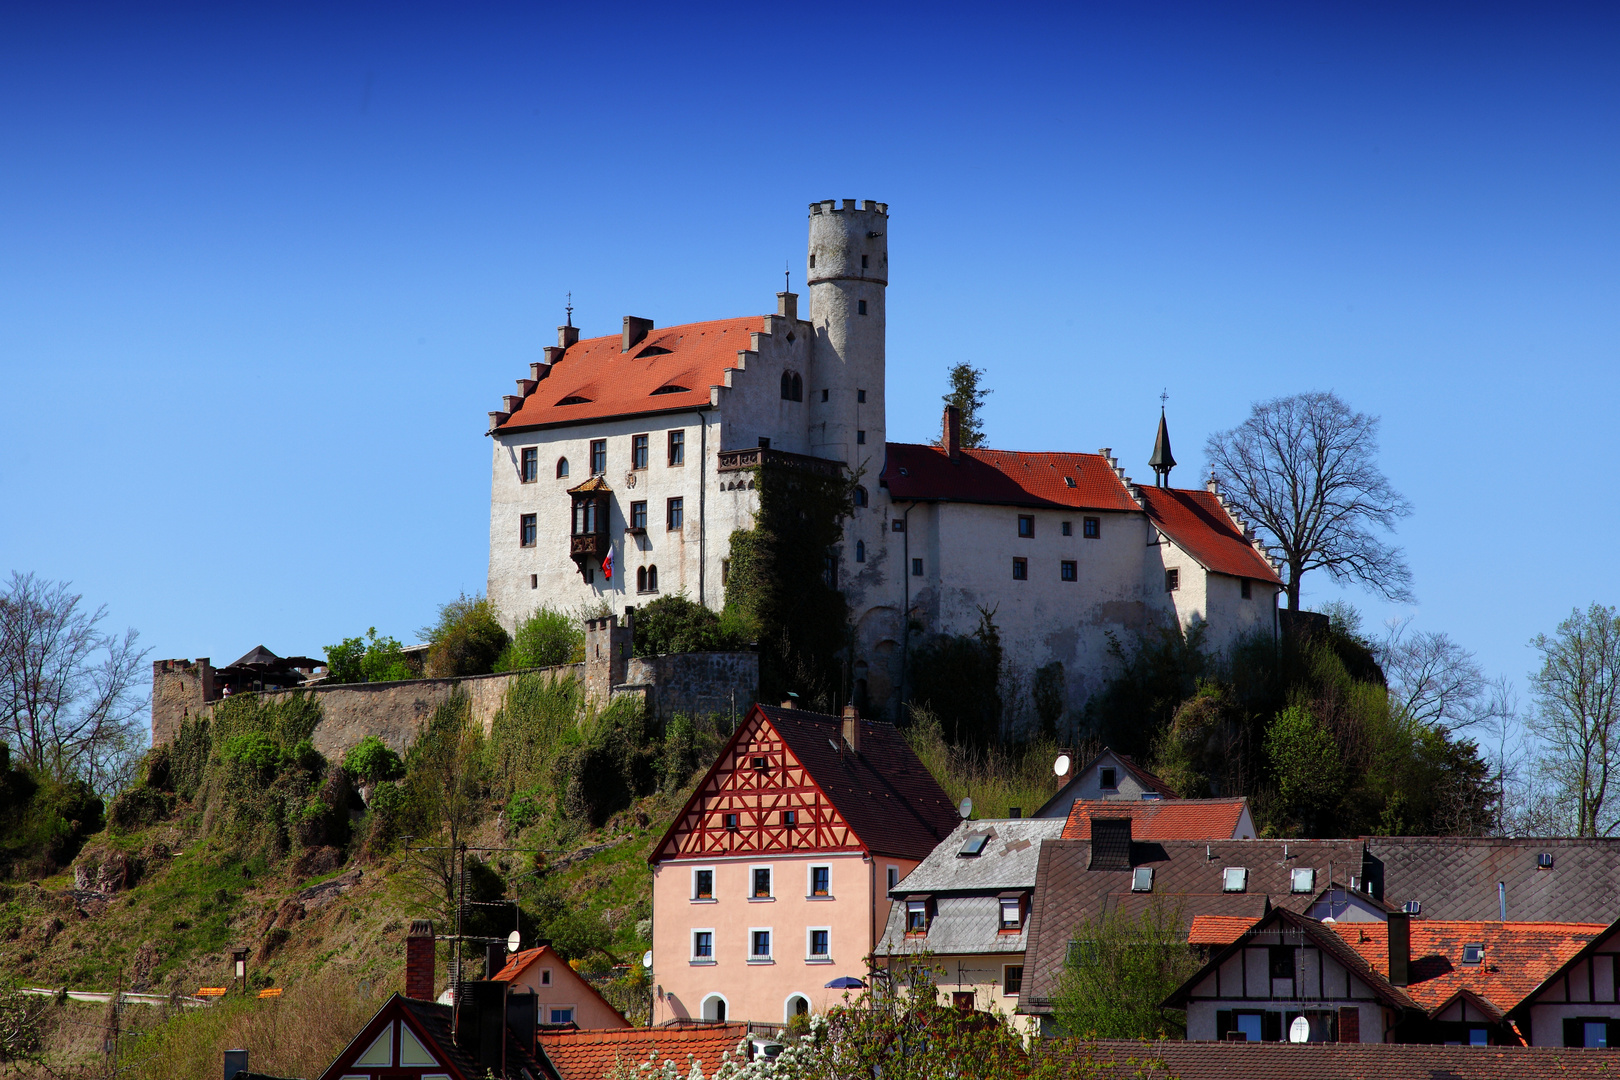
(593, 1054)
(599, 381)
(1005, 478)
(1217, 929)
(1199, 526)
(1160, 819)
(1518, 956)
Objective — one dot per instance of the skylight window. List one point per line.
(1473, 953)
(1235, 879)
(652, 350)
(1142, 879)
(1302, 880)
(574, 399)
(973, 845)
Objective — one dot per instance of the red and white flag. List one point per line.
(607, 565)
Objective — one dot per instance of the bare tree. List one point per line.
(1577, 715)
(70, 696)
(1434, 679)
(1302, 469)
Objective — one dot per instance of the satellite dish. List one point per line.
(966, 809)
(512, 941)
(1061, 765)
(646, 959)
(1300, 1030)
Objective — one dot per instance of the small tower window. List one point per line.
(1067, 528)
(864, 263)
(1172, 579)
(534, 581)
(1247, 588)
(860, 551)
(526, 530)
(860, 307)
(860, 495)
(860, 438)
(824, 395)
(812, 260)
(860, 397)
(562, 468)
(1020, 569)
(1093, 528)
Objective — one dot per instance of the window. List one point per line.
(787, 386)
(585, 517)
(860, 307)
(1595, 1033)
(1473, 953)
(798, 388)
(677, 448)
(1235, 879)
(812, 260)
(1026, 526)
(1172, 579)
(824, 395)
(641, 579)
(820, 945)
(860, 551)
(526, 530)
(703, 944)
(638, 515)
(1012, 980)
(759, 945)
(562, 1014)
(731, 822)
(916, 916)
(638, 451)
(1142, 879)
(1302, 880)
(894, 876)
(562, 468)
(534, 581)
(1020, 569)
(916, 568)
(761, 764)
(703, 884)
(790, 818)
(1246, 587)
(973, 846)
(531, 464)
(1282, 961)
(863, 262)
(598, 457)
(762, 883)
(860, 396)
(1092, 528)
(860, 438)
(860, 496)
(1249, 1023)
(1012, 914)
(545, 976)
(821, 881)
(1107, 778)
(1068, 570)
(1066, 528)
(897, 525)
(647, 579)
(675, 513)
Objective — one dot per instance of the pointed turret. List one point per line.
(1162, 461)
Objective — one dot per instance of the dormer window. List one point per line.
(916, 916)
(574, 399)
(1012, 913)
(670, 388)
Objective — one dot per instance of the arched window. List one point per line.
(797, 1005)
(641, 579)
(652, 579)
(562, 468)
(860, 495)
(860, 551)
(798, 388)
(714, 1007)
(787, 386)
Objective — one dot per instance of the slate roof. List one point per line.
(1199, 525)
(1005, 478)
(1160, 819)
(1188, 872)
(961, 925)
(1455, 877)
(593, 1054)
(606, 382)
(1008, 860)
(1124, 1059)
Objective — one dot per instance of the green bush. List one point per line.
(138, 807)
(254, 751)
(674, 624)
(548, 638)
(374, 659)
(372, 761)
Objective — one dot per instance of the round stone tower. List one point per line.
(848, 272)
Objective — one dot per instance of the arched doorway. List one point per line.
(797, 1005)
(714, 1007)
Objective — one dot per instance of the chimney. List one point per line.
(1349, 1023)
(1400, 947)
(567, 335)
(787, 305)
(790, 704)
(236, 1061)
(951, 439)
(481, 1021)
(635, 330)
(852, 728)
(494, 958)
(419, 961)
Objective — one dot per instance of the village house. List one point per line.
(623, 464)
(1178, 819)
(597, 1055)
(1108, 775)
(1577, 1004)
(561, 996)
(770, 887)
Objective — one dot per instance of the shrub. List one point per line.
(372, 761)
(467, 640)
(138, 807)
(548, 638)
(674, 624)
(254, 751)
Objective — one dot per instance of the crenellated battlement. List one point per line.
(863, 206)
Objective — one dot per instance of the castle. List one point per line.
(631, 455)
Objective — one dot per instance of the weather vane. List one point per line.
(787, 275)
(569, 307)
(1164, 396)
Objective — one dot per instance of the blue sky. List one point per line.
(262, 273)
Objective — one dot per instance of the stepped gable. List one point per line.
(1124, 1059)
(592, 1055)
(1068, 892)
(1159, 819)
(598, 380)
(1199, 525)
(1005, 478)
(1456, 877)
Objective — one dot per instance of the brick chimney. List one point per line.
(419, 961)
(852, 728)
(951, 438)
(1400, 947)
(635, 331)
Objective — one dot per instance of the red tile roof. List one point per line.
(1518, 956)
(1005, 478)
(1217, 929)
(614, 383)
(1160, 819)
(1199, 526)
(593, 1054)
(1120, 1059)
(517, 962)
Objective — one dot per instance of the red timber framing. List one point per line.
(760, 799)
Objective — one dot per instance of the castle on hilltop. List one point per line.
(634, 453)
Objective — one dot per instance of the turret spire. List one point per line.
(1162, 461)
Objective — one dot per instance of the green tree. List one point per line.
(1306, 763)
(548, 638)
(968, 397)
(674, 624)
(1577, 694)
(1118, 971)
(368, 659)
(372, 761)
(467, 639)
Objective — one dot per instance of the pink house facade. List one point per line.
(773, 880)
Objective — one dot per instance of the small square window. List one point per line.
(677, 448)
(916, 568)
(761, 945)
(1247, 588)
(1026, 525)
(821, 881)
(526, 531)
(1066, 528)
(598, 457)
(1012, 913)
(531, 464)
(897, 525)
(860, 396)
(545, 977)
(1068, 570)
(1108, 778)
(731, 822)
(703, 945)
(675, 514)
(562, 1014)
(703, 884)
(1172, 579)
(1302, 880)
(1093, 528)
(1235, 879)
(1012, 980)
(638, 515)
(1282, 961)
(819, 946)
(762, 883)
(1020, 569)
(860, 438)
(638, 451)
(790, 818)
(1142, 879)
(761, 764)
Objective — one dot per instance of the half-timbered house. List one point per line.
(1579, 1003)
(772, 882)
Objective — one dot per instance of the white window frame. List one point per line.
(1242, 879)
(927, 921)
(809, 955)
(692, 895)
(893, 875)
(1017, 903)
(810, 881)
(691, 946)
(769, 868)
(573, 1012)
(770, 958)
(1309, 880)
